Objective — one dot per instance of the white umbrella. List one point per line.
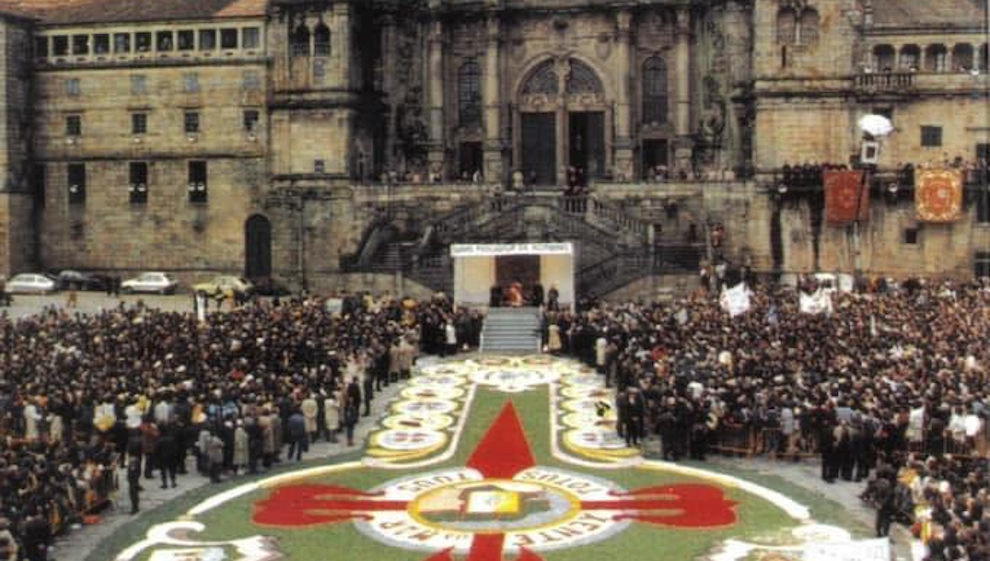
(877, 125)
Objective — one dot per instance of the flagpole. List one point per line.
(857, 241)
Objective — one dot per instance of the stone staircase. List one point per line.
(511, 330)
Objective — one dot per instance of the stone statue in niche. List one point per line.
(712, 124)
(411, 128)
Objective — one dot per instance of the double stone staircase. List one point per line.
(614, 247)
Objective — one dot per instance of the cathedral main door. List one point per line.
(539, 147)
(587, 142)
(564, 119)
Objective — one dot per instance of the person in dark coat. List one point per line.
(553, 297)
(633, 412)
(168, 455)
(843, 454)
(369, 392)
(884, 500)
(37, 536)
(255, 443)
(538, 295)
(826, 440)
(298, 439)
(134, 482)
(667, 427)
(149, 443)
(352, 409)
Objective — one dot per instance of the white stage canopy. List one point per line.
(495, 250)
(475, 269)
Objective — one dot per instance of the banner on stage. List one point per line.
(736, 300)
(495, 250)
(847, 197)
(862, 550)
(939, 195)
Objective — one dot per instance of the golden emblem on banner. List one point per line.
(938, 195)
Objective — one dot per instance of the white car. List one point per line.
(155, 282)
(30, 283)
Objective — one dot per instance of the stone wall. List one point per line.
(167, 233)
(942, 250)
(18, 242)
(109, 230)
(17, 234)
(797, 129)
(964, 119)
(107, 97)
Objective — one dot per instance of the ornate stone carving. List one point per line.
(797, 5)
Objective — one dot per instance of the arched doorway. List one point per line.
(257, 247)
(562, 122)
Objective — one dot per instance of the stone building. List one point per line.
(345, 143)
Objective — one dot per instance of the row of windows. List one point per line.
(165, 41)
(138, 185)
(191, 122)
(250, 81)
(933, 58)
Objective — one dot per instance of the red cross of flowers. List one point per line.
(502, 454)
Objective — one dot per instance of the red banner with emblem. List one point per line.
(939, 195)
(847, 197)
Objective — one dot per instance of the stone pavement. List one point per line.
(807, 474)
(94, 302)
(76, 544)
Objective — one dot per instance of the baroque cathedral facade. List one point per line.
(347, 143)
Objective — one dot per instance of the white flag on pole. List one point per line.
(818, 303)
(735, 300)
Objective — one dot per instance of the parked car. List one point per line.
(154, 281)
(30, 283)
(76, 280)
(268, 286)
(224, 283)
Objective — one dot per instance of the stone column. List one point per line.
(342, 15)
(563, 69)
(623, 96)
(389, 87)
(435, 87)
(682, 123)
(492, 104)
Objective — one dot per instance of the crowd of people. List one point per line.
(890, 390)
(893, 378)
(85, 395)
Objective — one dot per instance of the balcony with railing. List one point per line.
(921, 82)
(894, 82)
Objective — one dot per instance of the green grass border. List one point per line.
(487, 404)
(135, 530)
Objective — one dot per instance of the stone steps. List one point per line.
(511, 330)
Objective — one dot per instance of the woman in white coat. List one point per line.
(331, 414)
(310, 408)
(31, 418)
(241, 450)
